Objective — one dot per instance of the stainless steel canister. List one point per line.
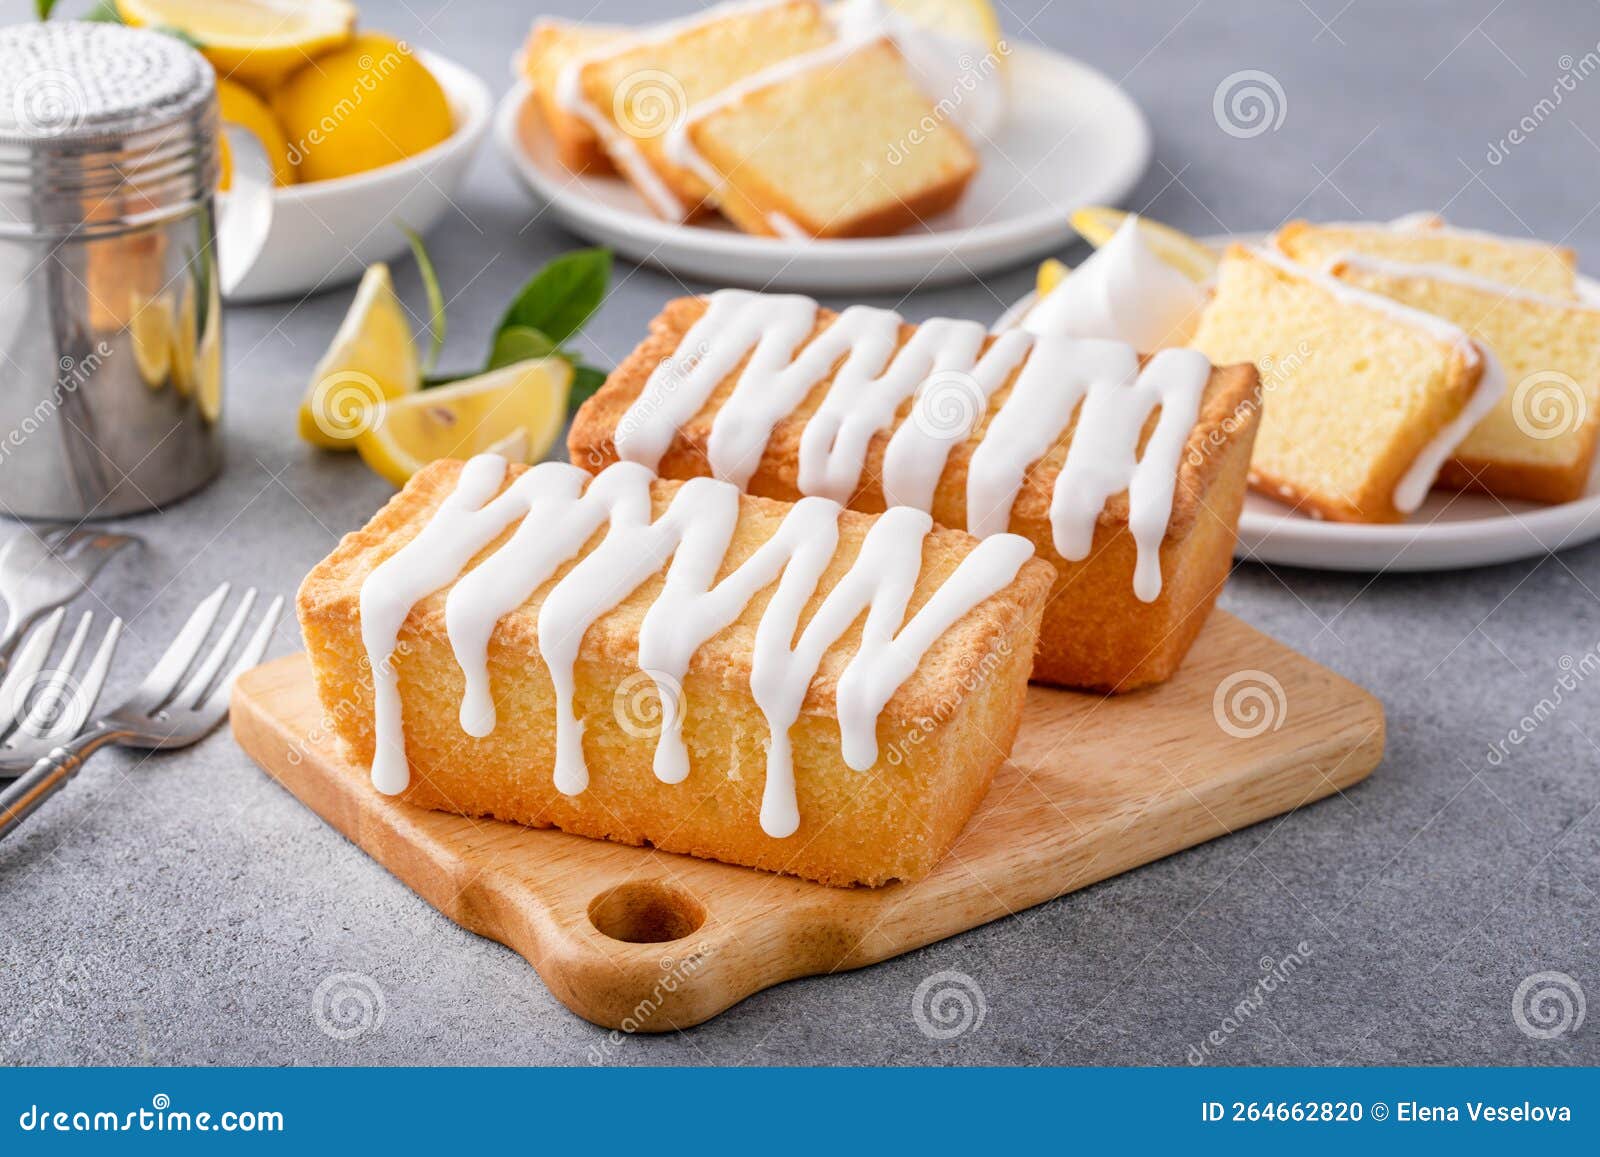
(110, 317)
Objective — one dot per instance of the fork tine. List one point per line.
(158, 685)
(50, 693)
(26, 665)
(69, 723)
(195, 690)
(248, 658)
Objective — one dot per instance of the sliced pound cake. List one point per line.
(633, 92)
(839, 142)
(1529, 265)
(1358, 391)
(552, 45)
(1538, 442)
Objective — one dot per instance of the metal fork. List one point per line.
(164, 711)
(44, 567)
(42, 706)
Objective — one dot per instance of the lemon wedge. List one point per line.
(1051, 274)
(1193, 258)
(373, 358)
(523, 405)
(970, 20)
(151, 329)
(185, 339)
(258, 42)
(208, 358)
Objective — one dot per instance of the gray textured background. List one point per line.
(185, 910)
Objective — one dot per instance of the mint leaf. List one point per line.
(518, 343)
(559, 299)
(104, 12)
(430, 284)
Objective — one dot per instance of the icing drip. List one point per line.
(557, 516)
(1123, 292)
(944, 367)
(1414, 485)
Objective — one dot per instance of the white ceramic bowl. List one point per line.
(326, 232)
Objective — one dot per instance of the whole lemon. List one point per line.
(239, 106)
(366, 104)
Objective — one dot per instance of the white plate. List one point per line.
(1072, 138)
(1450, 530)
(327, 232)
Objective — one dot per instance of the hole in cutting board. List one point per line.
(646, 912)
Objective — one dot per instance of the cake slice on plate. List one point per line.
(839, 142)
(552, 45)
(1363, 398)
(1529, 265)
(1538, 442)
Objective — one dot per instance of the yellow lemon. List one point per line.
(185, 341)
(519, 408)
(208, 357)
(257, 42)
(1051, 274)
(239, 106)
(1189, 256)
(369, 103)
(151, 329)
(373, 357)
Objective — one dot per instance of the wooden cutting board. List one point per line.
(641, 940)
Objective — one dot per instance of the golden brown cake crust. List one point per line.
(941, 738)
(1118, 643)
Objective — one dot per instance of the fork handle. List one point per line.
(28, 792)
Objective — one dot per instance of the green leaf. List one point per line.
(430, 283)
(104, 12)
(42, 7)
(559, 299)
(586, 379)
(518, 343)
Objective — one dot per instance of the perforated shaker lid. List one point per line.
(86, 82)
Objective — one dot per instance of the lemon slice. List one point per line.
(1189, 256)
(525, 400)
(970, 20)
(372, 358)
(185, 340)
(208, 358)
(258, 42)
(1051, 274)
(151, 328)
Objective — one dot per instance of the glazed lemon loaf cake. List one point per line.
(631, 91)
(790, 687)
(1538, 442)
(551, 46)
(1529, 265)
(1364, 398)
(839, 142)
(1126, 474)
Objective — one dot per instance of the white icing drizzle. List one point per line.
(622, 147)
(557, 515)
(945, 368)
(1123, 292)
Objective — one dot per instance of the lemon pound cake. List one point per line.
(795, 688)
(1364, 398)
(1529, 265)
(631, 91)
(552, 45)
(1126, 474)
(839, 142)
(1538, 441)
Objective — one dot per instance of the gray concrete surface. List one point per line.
(186, 909)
